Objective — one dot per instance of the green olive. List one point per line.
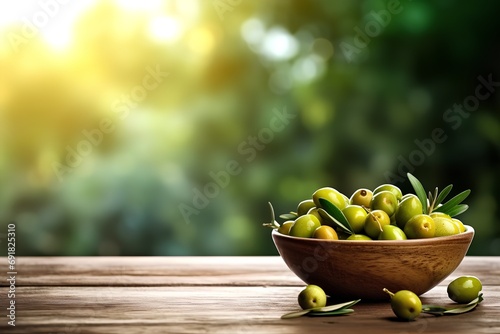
(464, 289)
(391, 232)
(305, 206)
(358, 237)
(330, 194)
(389, 187)
(314, 211)
(459, 224)
(407, 208)
(445, 226)
(356, 216)
(374, 222)
(405, 304)
(304, 226)
(361, 197)
(439, 214)
(420, 226)
(285, 227)
(325, 232)
(386, 201)
(405, 196)
(346, 199)
(312, 296)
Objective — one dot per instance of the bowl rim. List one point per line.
(469, 231)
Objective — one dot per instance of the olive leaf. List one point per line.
(337, 309)
(331, 219)
(432, 202)
(461, 208)
(440, 310)
(434, 309)
(444, 193)
(288, 216)
(295, 314)
(461, 309)
(336, 306)
(338, 312)
(419, 190)
(334, 214)
(452, 203)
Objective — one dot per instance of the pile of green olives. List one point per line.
(383, 213)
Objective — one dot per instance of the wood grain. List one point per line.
(174, 271)
(164, 271)
(220, 309)
(218, 295)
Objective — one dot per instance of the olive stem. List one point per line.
(273, 218)
(273, 224)
(433, 201)
(376, 219)
(388, 292)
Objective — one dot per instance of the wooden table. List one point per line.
(208, 295)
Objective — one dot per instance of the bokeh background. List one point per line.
(182, 88)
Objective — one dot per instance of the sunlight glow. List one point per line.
(253, 31)
(165, 29)
(308, 68)
(141, 5)
(202, 40)
(57, 38)
(279, 44)
(52, 21)
(12, 12)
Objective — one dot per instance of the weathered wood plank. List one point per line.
(220, 310)
(187, 271)
(139, 271)
(207, 294)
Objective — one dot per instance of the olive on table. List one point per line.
(464, 289)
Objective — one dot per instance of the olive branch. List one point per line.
(432, 201)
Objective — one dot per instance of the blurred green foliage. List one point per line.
(232, 67)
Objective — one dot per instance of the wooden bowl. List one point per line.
(361, 269)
